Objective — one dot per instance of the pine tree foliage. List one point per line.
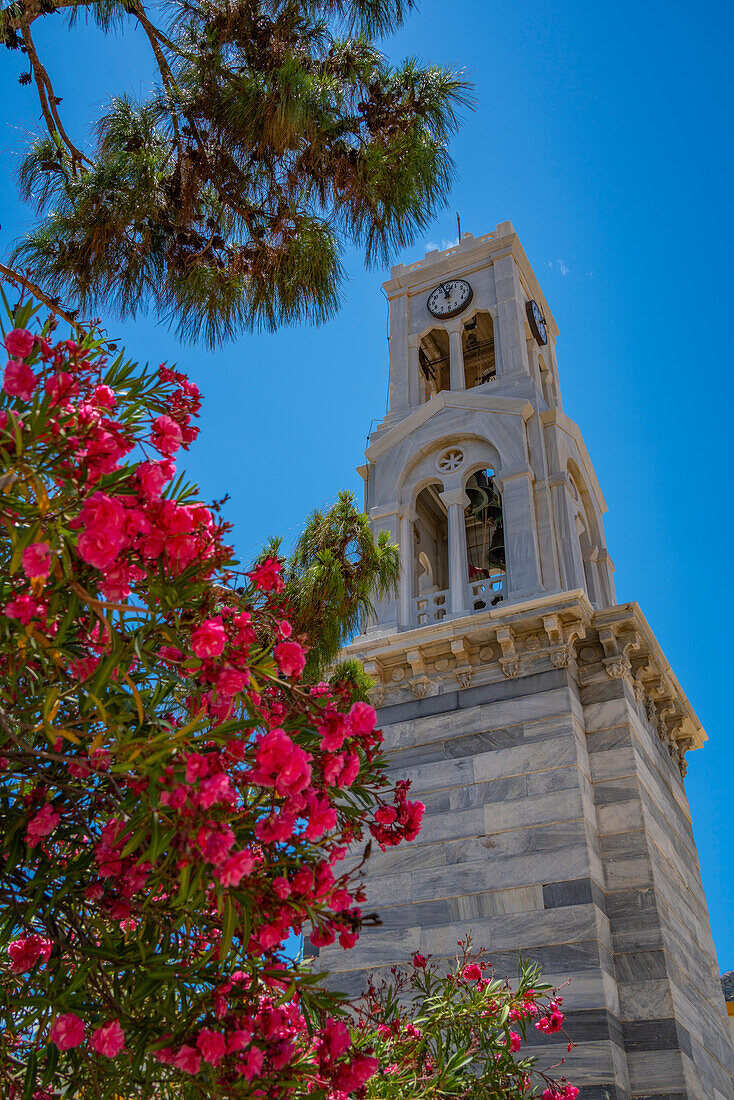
(277, 133)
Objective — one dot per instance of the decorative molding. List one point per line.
(464, 676)
(617, 666)
(626, 646)
(420, 686)
(446, 399)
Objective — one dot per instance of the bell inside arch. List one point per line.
(484, 529)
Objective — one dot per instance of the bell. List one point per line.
(496, 553)
(483, 503)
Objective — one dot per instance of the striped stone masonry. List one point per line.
(548, 743)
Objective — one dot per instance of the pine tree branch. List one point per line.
(48, 99)
(15, 277)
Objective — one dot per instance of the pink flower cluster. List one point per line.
(393, 824)
(553, 1020)
(229, 800)
(68, 1031)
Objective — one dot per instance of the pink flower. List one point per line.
(472, 973)
(290, 658)
(105, 396)
(362, 718)
(238, 1039)
(230, 681)
(187, 1059)
(267, 576)
(335, 1038)
(67, 1031)
(108, 1040)
(61, 387)
(419, 961)
(39, 826)
(216, 789)
(104, 534)
(515, 1042)
(282, 764)
(37, 559)
(20, 381)
(251, 1065)
(19, 342)
(212, 1046)
(236, 867)
(24, 609)
(152, 476)
(208, 639)
(25, 953)
(321, 817)
(197, 767)
(166, 436)
(350, 1077)
(386, 815)
(215, 842)
(551, 1023)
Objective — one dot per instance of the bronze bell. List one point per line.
(496, 552)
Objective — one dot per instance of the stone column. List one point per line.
(399, 356)
(521, 535)
(456, 358)
(456, 501)
(510, 317)
(407, 519)
(414, 371)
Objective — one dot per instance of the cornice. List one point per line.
(557, 630)
(447, 399)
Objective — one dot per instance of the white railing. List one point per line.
(483, 596)
(487, 593)
(430, 608)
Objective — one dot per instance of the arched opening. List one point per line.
(478, 347)
(435, 363)
(485, 541)
(430, 557)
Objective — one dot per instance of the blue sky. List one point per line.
(603, 133)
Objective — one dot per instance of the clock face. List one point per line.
(449, 298)
(537, 322)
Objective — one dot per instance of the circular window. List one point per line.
(450, 459)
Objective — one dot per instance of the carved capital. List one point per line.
(464, 676)
(510, 666)
(420, 686)
(377, 696)
(560, 657)
(618, 666)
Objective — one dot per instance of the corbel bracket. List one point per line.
(509, 661)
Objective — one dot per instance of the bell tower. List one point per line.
(537, 718)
